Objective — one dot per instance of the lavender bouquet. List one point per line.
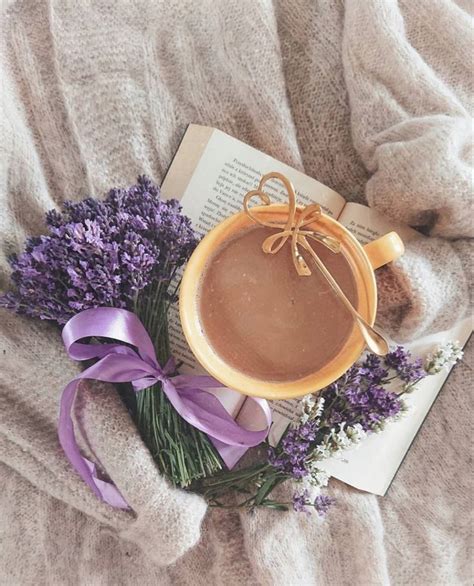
(338, 418)
(121, 252)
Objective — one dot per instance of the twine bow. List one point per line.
(293, 228)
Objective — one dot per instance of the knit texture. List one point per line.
(370, 97)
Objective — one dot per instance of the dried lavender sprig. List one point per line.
(321, 504)
(339, 418)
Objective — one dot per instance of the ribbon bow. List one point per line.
(293, 228)
(119, 363)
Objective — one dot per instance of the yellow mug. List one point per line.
(363, 261)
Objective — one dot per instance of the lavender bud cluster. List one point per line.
(100, 253)
(302, 500)
(357, 404)
(443, 357)
(407, 369)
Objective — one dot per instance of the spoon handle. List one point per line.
(374, 340)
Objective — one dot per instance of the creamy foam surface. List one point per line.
(265, 320)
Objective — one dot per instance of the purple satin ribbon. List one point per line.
(118, 363)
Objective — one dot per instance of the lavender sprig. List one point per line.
(443, 357)
(338, 418)
(302, 500)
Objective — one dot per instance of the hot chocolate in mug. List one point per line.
(256, 304)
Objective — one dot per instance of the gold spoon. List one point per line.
(375, 341)
(294, 228)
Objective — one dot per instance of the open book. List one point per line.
(210, 174)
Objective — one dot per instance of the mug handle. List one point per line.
(384, 249)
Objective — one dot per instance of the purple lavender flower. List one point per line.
(372, 369)
(300, 500)
(370, 405)
(322, 504)
(400, 360)
(355, 404)
(291, 456)
(359, 396)
(100, 253)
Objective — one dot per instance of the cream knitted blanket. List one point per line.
(371, 97)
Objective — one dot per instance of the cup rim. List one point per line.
(237, 380)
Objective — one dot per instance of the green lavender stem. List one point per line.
(254, 484)
(183, 453)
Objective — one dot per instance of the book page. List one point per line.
(367, 224)
(210, 175)
(225, 171)
(375, 463)
(283, 413)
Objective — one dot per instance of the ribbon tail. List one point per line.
(105, 491)
(108, 491)
(229, 454)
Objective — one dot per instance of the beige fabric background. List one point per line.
(371, 97)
